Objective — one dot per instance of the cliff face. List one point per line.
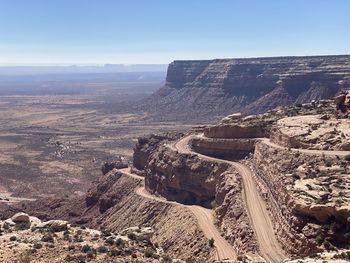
(211, 88)
(146, 145)
(303, 195)
(223, 148)
(182, 177)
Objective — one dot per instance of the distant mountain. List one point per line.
(208, 89)
(73, 69)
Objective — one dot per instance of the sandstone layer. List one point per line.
(208, 89)
(224, 148)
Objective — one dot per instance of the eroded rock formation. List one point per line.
(188, 179)
(207, 89)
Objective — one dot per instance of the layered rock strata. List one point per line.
(306, 196)
(223, 148)
(211, 88)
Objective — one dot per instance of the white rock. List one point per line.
(55, 225)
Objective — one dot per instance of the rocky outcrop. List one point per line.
(146, 145)
(182, 177)
(109, 166)
(231, 213)
(224, 148)
(303, 197)
(235, 131)
(188, 179)
(320, 132)
(207, 89)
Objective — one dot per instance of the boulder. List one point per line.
(345, 146)
(109, 166)
(54, 225)
(20, 218)
(34, 221)
(143, 233)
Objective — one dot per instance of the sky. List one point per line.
(59, 32)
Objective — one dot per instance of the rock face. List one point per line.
(211, 88)
(235, 131)
(146, 145)
(182, 177)
(307, 194)
(223, 148)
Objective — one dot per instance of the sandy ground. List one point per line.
(55, 145)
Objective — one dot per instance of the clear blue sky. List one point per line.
(159, 31)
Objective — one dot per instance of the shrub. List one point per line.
(313, 255)
(81, 258)
(347, 157)
(109, 241)
(22, 226)
(102, 249)
(132, 236)
(70, 258)
(37, 246)
(24, 257)
(86, 248)
(328, 163)
(114, 252)
(211, 242)
(149, 252)
(190, 260)
(106, 233)
(91, 254)
(47, 238)
(166, 259)
(119, 242)
(78, 238)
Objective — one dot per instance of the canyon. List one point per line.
(267, 187)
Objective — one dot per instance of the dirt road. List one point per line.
(270, 249)
(204, 218)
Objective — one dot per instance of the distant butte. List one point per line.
(207, 89)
